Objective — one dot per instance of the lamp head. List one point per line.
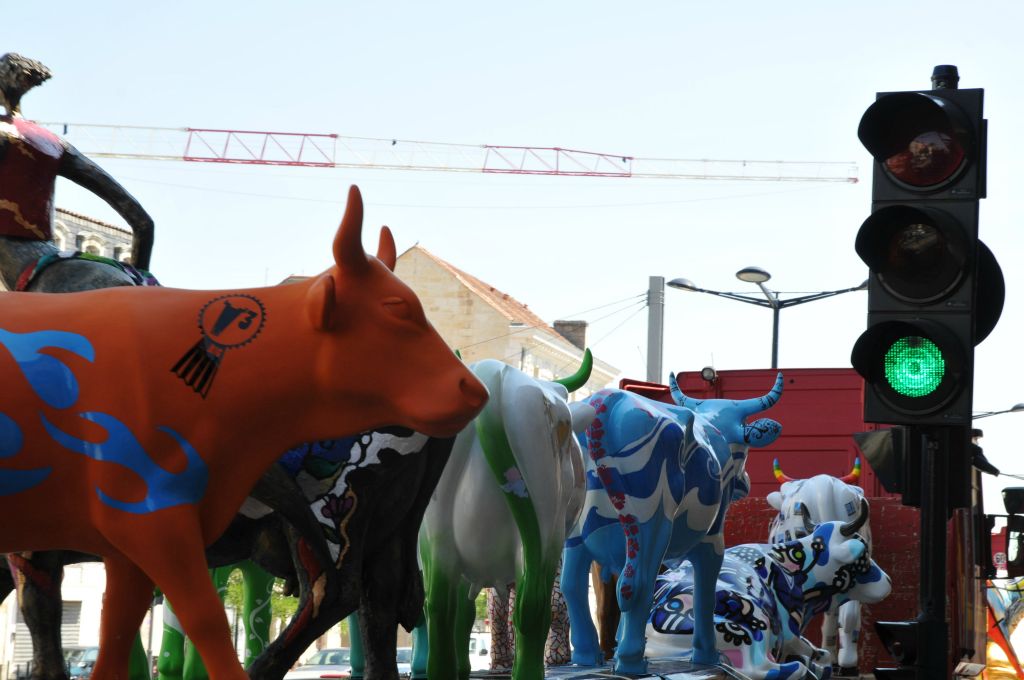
(682, 284)
(753, 275)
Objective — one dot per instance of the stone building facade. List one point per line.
(482, 322)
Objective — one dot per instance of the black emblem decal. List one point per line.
(226, 322)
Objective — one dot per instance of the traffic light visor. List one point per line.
(918, 254)
(921, 141)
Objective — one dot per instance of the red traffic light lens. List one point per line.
(930, 158)
(919, 255)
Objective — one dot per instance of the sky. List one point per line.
(725, 80)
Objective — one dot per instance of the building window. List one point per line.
(79, 241)
(119, 253)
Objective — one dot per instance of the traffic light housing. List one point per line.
(934, 290)
(902, 640)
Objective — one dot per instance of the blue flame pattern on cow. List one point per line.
(766, 596)
(802, 503)
(660, 478)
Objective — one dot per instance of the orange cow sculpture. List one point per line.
(134, 422)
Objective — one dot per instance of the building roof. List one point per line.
(512, 309)
(92, 220)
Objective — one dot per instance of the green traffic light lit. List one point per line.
(914, 366)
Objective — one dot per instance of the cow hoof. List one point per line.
(845, 671)
(634, 667)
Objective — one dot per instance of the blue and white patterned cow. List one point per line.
(659, 480)
(766, 595)
(802, 503)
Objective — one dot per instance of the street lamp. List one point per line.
(759, 276)
(985, 414)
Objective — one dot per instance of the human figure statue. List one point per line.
(31, 158)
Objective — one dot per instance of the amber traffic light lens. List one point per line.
(930, 158)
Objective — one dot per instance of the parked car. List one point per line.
(480, 652)
(80, 661)
(327, 663)
(404, 658)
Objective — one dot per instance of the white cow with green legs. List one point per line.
(511, 491)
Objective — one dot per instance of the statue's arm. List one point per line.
(76, 167)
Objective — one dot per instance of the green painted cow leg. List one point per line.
(465, 614)
(171, 664)
(532, 620)
(138, 662)
(441, 616)
(257, 585)
(356, 657)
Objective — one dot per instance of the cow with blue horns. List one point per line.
(806, 502)
(660, 478)
(765, 597)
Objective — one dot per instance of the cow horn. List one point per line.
(677, 394)
(579, 378)
(348, 244)
(386, 248)
(854, 473)
(779, 474)
(854, 525)
(749, 407)
(809, 526)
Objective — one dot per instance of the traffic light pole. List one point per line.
(932, 628)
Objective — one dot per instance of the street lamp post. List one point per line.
(772, 300)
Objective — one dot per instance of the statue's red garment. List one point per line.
(28, 171)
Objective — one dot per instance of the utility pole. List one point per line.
(655, 326)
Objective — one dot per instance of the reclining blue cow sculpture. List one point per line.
(659, 481)
(766, 596)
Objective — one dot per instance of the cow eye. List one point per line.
(398, 308)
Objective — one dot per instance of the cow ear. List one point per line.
(321, 305)
(775, 500)
(761, 432)
(583, 415)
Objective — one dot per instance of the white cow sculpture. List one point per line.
(803, 503)
(510, 492)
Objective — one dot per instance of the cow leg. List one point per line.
(586, 650)
(419, 650)
(186, 582)
(441, 612)
(830, 631)
(635, 595)
(171, 665)
(849, 633)
(706, 558)
(193, 668)
(125, 601)
(556, 652)
(465, 614)
(532, 616)
(257, 587)
(502, 634)
(604, 584)
(38, 576)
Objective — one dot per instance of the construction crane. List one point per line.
(319, 150)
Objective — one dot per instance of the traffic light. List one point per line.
(934, 290)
